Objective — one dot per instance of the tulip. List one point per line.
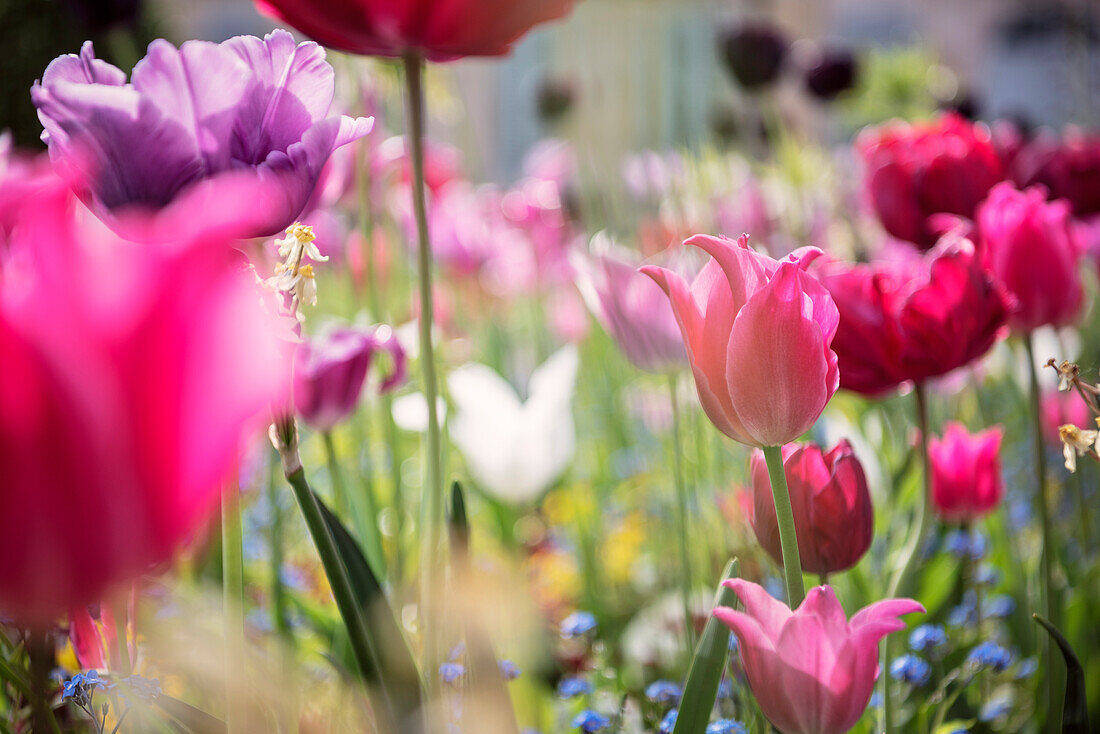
(828, 73)
(905, 321)
(917, 171)
(758, 334)
(1061, 408)
(966, 473)
(833, 517)
(1028, 244)
(630, 307)
(330, 373)
(1068, 168)
(811, 670)
(131, 375)
(203, 114)
(754, 54)
(515, 450)
(438, 30)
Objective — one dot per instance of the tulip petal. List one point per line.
(770, 613)
(886, 610)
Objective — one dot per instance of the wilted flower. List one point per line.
(204, 114)
(1076, 442)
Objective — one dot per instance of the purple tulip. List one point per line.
(197, 115)
(329, 373)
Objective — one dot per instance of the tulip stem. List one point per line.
(784, 514)
(275, 538)
(681, 516)
(911, 550)
(232, 607)
(432, 506)
(1050, 609)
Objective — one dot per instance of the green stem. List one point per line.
(275, 540)
(232, 607)
(784, 515)
(365, 519)
(911, 551)
(1050, 609)
(432, 506)
(681, 516)
(339, 493)
(366, 657)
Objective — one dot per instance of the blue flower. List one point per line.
(450, 672)
(668, 723)
(663, 691)
(577, 624)
(570, 687)
(965, 614)
(1027, 668)
(990, 655)
(509, 670)
(988, 575)
(725, 688)
(962, 543)
(1000, 606)
(589, 721)
(726, 726)
(876, 700)
(995, 708)
(734, 644)
(912, 669)
(456, 652)
(927, 638)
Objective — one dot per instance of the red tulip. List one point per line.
(1029, 245)
(966, 473)
(917, 171)
(130, 374)
(913, 320)
(1068, 168)
(440, 30)
(833, 517)
(758, 334)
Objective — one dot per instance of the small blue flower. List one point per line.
(988, 575)
(726, 726)
(450, 672)
(571, 687)
(663, 691)
(577, 624)
(1000, 606)
(927, 638)
(456, 652)
(912, 669)
(1027, 668)
(725, 688)
(965, 614)
(668, 723)
(962, 543)
(734, 645)
(509, 670)
(590, 722)
(876, 700)
(990, 655)
(995, 708)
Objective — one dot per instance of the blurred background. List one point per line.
(647, 74)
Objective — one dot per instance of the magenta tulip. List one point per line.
(966, 473)
(833, 517)
(1069, 168)
(811, 670)
(916, 171)
(631, 308)
(1060, 408)
(330, 372)
(903, 321)
(1029, 245)
(440, 30)
(758, 334)
(131, 374)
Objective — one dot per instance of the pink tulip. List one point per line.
(758, 334)
(966, 473)
(631, 308)
(1028, 244)
(833, 517)
(1059, 408)
(811, 670)
(330, 372)
(131, 373)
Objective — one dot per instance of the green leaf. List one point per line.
(397, 672)
(705, 673)
(1075, 712)
(459, 522)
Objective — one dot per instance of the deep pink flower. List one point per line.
(1059, 408)
(913, 320)
(204, 115)
(330, 372)
(131, 373)
(833, 517)
(758, 334)
(1069, 168)
(440, 30)
(915, 171)
(811, 670)
(1029, 245)
(966, 472)
(631, 308)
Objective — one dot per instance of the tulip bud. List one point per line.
(833, 518)
(754, 54)
(966, 473)
(828, 73)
